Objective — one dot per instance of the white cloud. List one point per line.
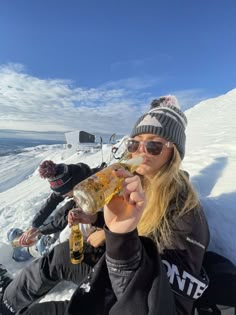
(29, 103)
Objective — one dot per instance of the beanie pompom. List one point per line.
(168, 100)
(47, 169)
(164, 119)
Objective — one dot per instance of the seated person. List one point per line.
(62, 179)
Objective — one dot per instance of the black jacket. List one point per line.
(183, 259)
(51, 203)
(132, 270)
(59, 220)
(147, 292)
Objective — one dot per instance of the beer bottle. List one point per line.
(15, 242)
(76, 245)
(94, 192)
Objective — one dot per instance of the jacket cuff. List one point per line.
(48, 229)
(45, 231)
(122, 246)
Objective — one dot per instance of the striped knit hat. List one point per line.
(166, 120)
(62, 177)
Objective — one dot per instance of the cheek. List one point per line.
(156, 163)
(146, 169)
(162, 159)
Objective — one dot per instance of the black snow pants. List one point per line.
(38, 278)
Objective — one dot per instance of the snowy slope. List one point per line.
(211, 160)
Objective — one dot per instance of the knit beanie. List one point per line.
(166, 120)
(62, 177)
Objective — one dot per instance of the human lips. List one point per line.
(145, 159)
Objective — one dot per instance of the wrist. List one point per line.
(33, 229)
(121, 246)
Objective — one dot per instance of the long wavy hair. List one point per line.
(169, 187)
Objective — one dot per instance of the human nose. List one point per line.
(141, 147)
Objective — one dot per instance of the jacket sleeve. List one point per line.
(123, 256)
(183, 259)
(50, 205)
(59, 220)
(137, 274)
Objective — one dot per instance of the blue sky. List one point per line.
(90, 55)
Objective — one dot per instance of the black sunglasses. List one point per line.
(151, 147)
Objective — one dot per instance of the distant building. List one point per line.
(80, 141)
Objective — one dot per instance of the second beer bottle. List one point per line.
(76, 244)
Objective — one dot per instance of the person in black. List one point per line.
(62, 179)
(156, 237)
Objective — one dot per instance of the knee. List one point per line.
(56, 261)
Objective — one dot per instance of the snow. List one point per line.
(210, 160)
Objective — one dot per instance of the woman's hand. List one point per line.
(29, 237)
(97, 238)
(76, 216)
(123, 212)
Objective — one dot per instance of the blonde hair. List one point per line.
(170, 186)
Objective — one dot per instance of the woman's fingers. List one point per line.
(22, 239)
(132, 185)
(138, 199)
(72, 217)
(76, 216)
(124, 211)
(28, 238)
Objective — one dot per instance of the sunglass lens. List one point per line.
(132, 145)
(154, 147)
